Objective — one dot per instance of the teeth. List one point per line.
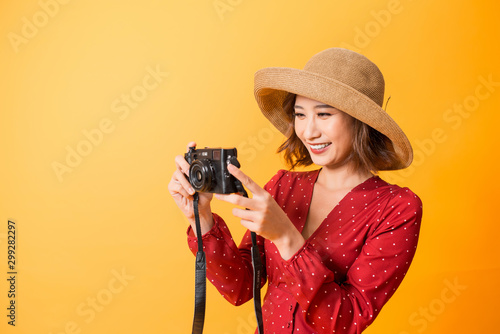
(320, 146)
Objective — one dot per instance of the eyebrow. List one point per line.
(319, 106)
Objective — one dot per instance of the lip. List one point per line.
(318, 151)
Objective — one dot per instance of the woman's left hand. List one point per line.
(264, 216)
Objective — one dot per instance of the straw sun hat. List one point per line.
(340, 78)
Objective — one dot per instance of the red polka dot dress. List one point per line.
(344, 273)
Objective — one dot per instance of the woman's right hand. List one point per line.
(182, 193)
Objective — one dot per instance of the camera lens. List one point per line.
(201, 175)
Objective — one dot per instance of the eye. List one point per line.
(298, 115)
(324, 114)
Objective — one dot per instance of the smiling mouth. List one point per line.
(319, 147)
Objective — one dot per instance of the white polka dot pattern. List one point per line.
(343, 275)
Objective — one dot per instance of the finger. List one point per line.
(182, 164)
(190, 144)
(248, 215)
(245, 179)
(181, 179)
(237, 200)
(250, 225)
(175, 188)
(178, 189)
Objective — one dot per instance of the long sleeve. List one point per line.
(229, 268)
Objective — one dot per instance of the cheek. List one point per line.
(347, 136)
(335, 129)
(340, 131)
(299, 129)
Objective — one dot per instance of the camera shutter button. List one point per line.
(233, 161)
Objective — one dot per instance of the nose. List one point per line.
(311, 130)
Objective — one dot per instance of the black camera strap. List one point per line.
(200, 288)
(257, 274)
(201, 274)
(257, 271)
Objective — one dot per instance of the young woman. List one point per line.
(335, 242)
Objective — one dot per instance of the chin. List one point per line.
(322, 162)
(329, 162)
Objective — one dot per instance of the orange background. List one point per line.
(126, 84)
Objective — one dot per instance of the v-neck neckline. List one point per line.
(313, 180)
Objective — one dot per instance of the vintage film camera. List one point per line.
(208, 170)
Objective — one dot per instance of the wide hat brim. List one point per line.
(273, 84)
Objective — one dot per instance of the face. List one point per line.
(325, 131)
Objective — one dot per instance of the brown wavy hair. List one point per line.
(372, 151)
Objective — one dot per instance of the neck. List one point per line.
(341, 177)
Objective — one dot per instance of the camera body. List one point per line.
(208, 170)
